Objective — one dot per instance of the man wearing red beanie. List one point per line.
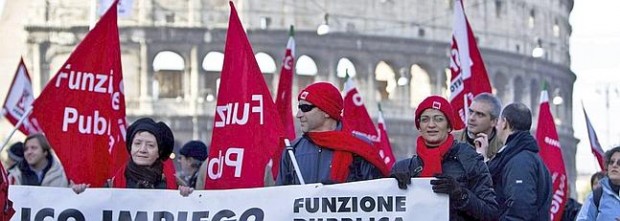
(459, 171)
(325, 153)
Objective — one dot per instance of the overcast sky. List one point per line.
(595, 44)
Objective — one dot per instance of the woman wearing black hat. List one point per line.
(149, 144)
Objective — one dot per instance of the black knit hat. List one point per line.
(195, 149)
(161, 131)
(16, 152)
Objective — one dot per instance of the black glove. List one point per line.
(403, 179)
(447, 185)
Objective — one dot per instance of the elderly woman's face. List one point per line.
(613, 168)
(144, 150)
(433, 127)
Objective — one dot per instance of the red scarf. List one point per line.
(344, 145)
(120, 181)
(432, 157)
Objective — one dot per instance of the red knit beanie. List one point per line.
(325, 96)
(435, 102)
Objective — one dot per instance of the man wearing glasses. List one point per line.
(326, 154)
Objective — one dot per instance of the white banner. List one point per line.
(376, 200)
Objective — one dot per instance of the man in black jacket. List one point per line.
(522, 181)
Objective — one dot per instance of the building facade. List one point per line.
(397, 50)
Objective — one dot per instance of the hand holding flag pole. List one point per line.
(289, 150)
(19, 124)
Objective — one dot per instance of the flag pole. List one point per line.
(19, 124)
(289, 149)
(465, 108)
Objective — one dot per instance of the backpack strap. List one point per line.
(596, 197)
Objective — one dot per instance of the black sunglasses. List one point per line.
(305, 107)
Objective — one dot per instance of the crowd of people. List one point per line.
(491, 170)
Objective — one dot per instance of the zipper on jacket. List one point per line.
(318, 166)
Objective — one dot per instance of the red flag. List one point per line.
(82, 108)
(551, 154)
(7, 205)
(285, 88)
(386, 148)
(357, 120)
(355, 116)
(284, 98)
(246, 128)
(469, 76)
(597, 150)
(19, 100)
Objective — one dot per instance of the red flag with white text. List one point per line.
(597, 150)
(284, 98)
(19, 99)
(551, 154)
(355, 117)
(469, 76)
(247, 128)
(386, 148)
(82, 108)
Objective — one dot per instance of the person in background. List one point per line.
(604, 201)
(480, 131)
(192, 155)
(39, 167)
(594, 180)
(16, 155)
(460, 172)
(521, 179)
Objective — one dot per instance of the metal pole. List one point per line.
(19, 123)
(289, 149)
(465, 108)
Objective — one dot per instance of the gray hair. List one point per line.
(496, 104)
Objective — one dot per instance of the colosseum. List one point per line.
(397, 51)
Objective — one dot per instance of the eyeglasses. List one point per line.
(305, 107)
(436, 119)
(611, 162)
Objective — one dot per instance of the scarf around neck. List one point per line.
(432, 156)
(344, 145)
(144, 176)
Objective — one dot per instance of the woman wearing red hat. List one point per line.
(460, 171)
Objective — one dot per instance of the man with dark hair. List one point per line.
(480, 131)
(522, 181)
(594, 180)
(39, 167)
(192, 155)
(16, 154)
